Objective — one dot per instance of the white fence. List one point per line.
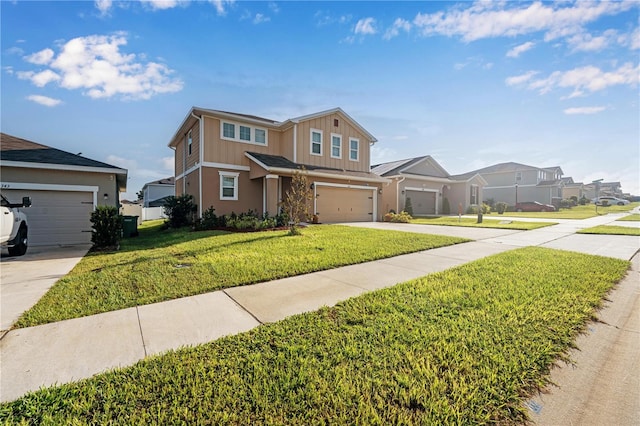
(143, 213)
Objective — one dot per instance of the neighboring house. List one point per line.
(155, 193)
(611, 189)
(572, 189)
(64, 189)
(428, 185)
(236, 162)
(515, 182)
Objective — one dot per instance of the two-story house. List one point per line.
(514, 182)
(431, 189)
(237, 162)
(154, 193)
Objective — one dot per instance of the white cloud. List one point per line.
(163, 4)
(168, 164)
(520, 79)
(584, 42)
(260, 18)
(485, 19)
(221, 5)
(96, 65)
(518, 50)
(365, 26)
(44, 100)
(584, 110)
(15, 50)
(42, 57)
(588, 78)
(398, 25)
(104, 6)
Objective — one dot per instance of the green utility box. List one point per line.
(129, 226)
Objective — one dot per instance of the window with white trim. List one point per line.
(189, 141)
(316, 142)
(518, 176)
(336, 146)
(228, 185)
(229, 130)
(244, 133)
(473, 198)
(354, 149)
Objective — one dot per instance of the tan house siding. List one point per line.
(249, 193)
(192, 186)
(194, 157)
(106, 182)
(179, 158)
(179, 186)
(326, 125)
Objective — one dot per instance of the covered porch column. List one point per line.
(271, 194)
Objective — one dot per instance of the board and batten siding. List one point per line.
(194, 158)
(346, 130)
(218, 150)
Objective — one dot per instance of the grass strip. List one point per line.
(631, 218)
(163, 265)
(463, 346)
(486, 223)
(611, 230)
(577, 212)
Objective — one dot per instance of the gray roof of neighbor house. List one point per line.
(166, 181)
(394, 167)
(512, 167)
(18, 150)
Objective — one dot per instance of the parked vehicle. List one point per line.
(14, 228)
(534, 206)
(610, 201)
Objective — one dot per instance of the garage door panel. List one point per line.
(334, 204)
(57, 217)
(422, 202)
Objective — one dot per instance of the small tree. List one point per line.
(179, 210)
(446, 207)
(296, 201)
(107, 227)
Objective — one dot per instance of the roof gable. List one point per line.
(421, 166)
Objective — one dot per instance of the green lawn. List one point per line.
(611, 230)
(162, 265)
(577, 212)
(486, 223)
(630, 218)
(463, 346)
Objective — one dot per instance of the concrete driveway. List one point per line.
(25, 279)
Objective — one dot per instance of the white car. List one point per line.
(14, 227)
(612, 201)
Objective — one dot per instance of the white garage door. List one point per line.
(344, 204)
(56, 217)
(423, 202)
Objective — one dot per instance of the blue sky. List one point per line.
(469, 83)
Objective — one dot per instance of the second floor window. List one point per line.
(261, 136)
(229, 130)
(316, 142)
(354, 151)
(336, 146)
(189, 141)
(518, 176)
(245, 133)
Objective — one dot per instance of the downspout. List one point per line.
(295, 142)
(398, 182)
(201, 149)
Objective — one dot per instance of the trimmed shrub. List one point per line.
(180, 211)
(501, 207)
(402, 217)
(107, 227)
(446, 208)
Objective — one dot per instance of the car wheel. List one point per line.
(21, 247)
(621, 203)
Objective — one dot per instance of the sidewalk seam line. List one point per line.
(242, 307)
(144, 347)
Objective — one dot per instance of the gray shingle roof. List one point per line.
(281, 162)
(17, 149)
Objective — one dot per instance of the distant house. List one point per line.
(64, 189)
(429, 187)
(572, 189)
(155, 193)
(515, 182)
(612, 189)
(237, 162)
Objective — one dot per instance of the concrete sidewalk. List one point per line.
(79, 348)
